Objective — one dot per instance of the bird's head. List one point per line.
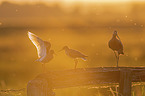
(115, 34)
(64, 48)
(47, 44)
(52, 52)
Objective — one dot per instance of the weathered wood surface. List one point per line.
(89, 76)
(84, 77)
(39, 87)
(125, 82)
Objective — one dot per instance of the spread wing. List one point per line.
(39, 43)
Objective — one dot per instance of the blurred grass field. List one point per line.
(86, 27)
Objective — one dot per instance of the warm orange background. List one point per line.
(86, 26)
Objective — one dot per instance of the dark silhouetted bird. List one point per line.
(116, 45)
(74, 54)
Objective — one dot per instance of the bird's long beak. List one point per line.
(118, 37)
(55, 54)
(61, 50)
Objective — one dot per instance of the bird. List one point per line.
(74, 54)
(43, 49)
(116, 45)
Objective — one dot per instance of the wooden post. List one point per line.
(125, 82)
(39, 87)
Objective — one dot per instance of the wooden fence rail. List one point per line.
(44, 84)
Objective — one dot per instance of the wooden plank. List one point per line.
(84, 77)
(90, 76)
(80, 77)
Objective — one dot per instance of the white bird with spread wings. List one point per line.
(43, 49)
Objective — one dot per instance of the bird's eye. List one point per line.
(115, 32)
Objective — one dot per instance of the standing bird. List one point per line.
(43, 49)
(116, 45)
(74, 54)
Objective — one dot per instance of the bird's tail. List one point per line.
(84, 58)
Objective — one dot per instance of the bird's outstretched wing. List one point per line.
(39, 43)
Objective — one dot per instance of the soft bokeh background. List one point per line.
(83, 25)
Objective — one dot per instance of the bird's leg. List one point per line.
(115, 54)
(43, 68)
(76, 62)
(117, 60)
(85, 67)
(116, 57)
